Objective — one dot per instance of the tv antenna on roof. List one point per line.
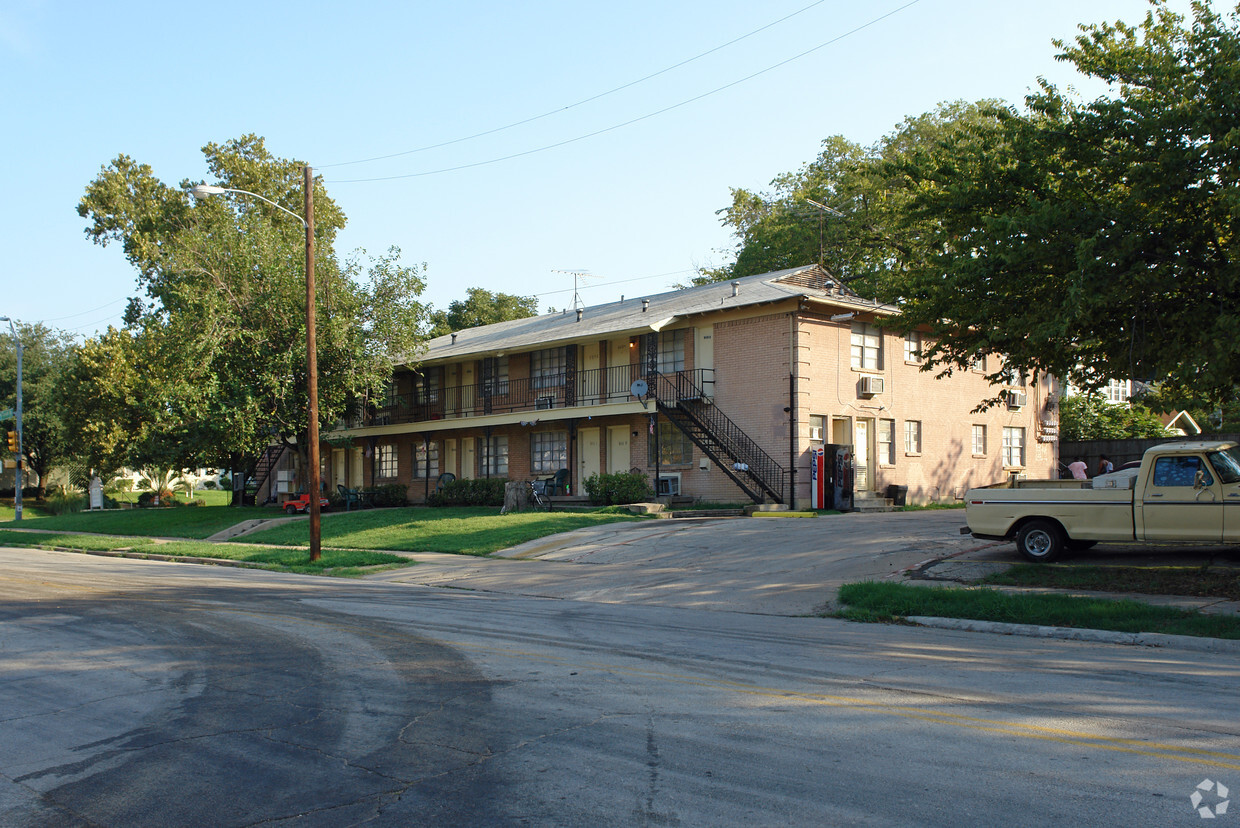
(578, 277)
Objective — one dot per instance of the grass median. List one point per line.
(887, 603)
(335, 562)
(1211, 582)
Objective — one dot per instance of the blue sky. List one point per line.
(332, 83)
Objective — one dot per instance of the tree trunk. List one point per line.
(517, 497)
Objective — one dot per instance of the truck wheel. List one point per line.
(290, 510)
(1040, 541)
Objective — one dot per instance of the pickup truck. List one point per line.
(1186, 492)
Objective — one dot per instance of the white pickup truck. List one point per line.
(1183, 492)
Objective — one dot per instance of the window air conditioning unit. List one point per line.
(546, 402)
(1017, 399)
(871, 386)
(815, 433)
(284, 476)
(668, 485)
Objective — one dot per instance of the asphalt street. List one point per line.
(137, 693)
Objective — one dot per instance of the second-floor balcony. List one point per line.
(597, 386)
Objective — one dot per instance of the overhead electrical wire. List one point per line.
(631, 121)
(578, 103)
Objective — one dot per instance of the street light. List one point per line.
(17, 475)
(312, 363)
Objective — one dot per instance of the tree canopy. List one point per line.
(215, 350)
(481, 307)
(45, 356)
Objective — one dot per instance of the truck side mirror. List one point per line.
(1199, 479)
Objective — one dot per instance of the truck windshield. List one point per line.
(1227, 464)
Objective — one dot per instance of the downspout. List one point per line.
(792, 411)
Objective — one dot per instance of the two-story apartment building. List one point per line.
(722, 389)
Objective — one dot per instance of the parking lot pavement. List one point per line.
(757, 565)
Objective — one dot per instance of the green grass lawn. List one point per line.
(463, 530)
(335, 562)
(886, 602)
(1151, 580)
(181, 522)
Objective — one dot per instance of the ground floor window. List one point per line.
(548, 452)
(912, 436)
(1013, 446)
(426, 459)
(979, 440)
(493, 456)
(386, 465)
(887, 442)
(675, 448)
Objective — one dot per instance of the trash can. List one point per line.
(898, 495)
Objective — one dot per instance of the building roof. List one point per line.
(653, 312)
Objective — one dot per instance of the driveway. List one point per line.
(772, 566)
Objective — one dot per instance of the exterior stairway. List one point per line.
(684, 403)
(871, 502)
(262, 471)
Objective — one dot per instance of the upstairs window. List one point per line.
(547, 367)
(912, 347)
(867, 346)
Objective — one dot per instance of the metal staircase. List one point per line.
(262, 469)
(680, 398)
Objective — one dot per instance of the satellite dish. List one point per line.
(639, 388)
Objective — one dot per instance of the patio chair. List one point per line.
(557, 484)
(351, 497)
(446, 477)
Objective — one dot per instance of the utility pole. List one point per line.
(17, 499)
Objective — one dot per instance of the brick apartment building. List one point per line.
(735, 383)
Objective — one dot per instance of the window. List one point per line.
(547, 367)
(426, 459)
(1181, 471)
(979, 364)
(493, 456)
(495, 375)
(817, 428)
(867, 346)
(387, 466)
(390, 398)
(675, 448)
(912, 436)
(671, 351)
(912, 347)
(1118, 391)
(548, 451)
(979, 441)
(1014, 377)
(1013, 446)
(427, 387)
(887, 442)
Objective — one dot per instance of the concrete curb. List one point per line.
(1181, 642)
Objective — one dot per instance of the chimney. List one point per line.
(736, 288)
(579, 313)
(453, 337)
(645, 305)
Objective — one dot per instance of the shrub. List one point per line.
(618, 489)
(389, 494)
(64, 501)
(225, 482)
(478, 492)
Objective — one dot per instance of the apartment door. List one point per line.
(704, 356)
(356, 478)
(862, 456)
(340, 467)
(587, 454)
(467, 393)
(618, 449)
(469, 459)
(589, 381)
(618, 371)
(450, 460)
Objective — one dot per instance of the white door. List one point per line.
(619, 374)
(469, 460)
(861, 455)
(618, 450)
(450, 463)
(356, 478)
(704, 356)
(589, 381)
(587, 455)
(340, 467)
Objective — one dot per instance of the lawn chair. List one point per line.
(557, 484)
(351, 497)
(446, 477)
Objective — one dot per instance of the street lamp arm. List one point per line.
(203, 190)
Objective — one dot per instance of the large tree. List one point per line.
(45, 355)
(1093, 240)
(481, 307)
(220, 334)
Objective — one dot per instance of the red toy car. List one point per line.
(301, 504)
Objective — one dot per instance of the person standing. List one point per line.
(1105, 466)
(1079, 470)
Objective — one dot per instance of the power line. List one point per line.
(578, 103)
(633, 120)
(83, 313)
